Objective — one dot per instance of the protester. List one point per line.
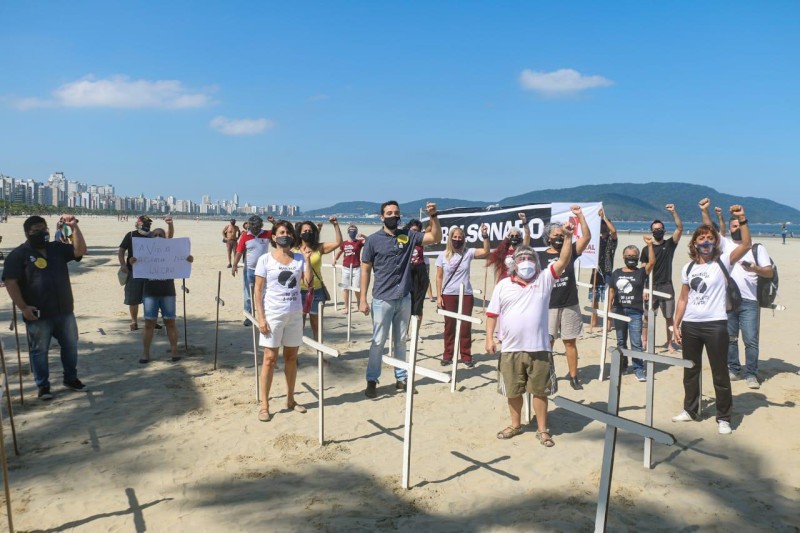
(453, 269)
(230, 236)
(748, 317)
(565, 318)
(388, 252)
(601, 276)
(626, 293)
(279, 310)
(702, 320)
(310, 245)
(420, 276)
(252, 244)
(502, 256)
(135, 286)
(519, 306)
(60, 235)
(159, 294)
(36, 277)
(662, 274)
(351, 264)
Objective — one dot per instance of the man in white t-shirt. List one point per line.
(519, 312)
(747, 318)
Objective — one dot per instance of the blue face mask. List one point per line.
(352, 234)
(705, 248)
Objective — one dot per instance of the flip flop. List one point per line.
(264, 415)
(134, 327)
(175, 359)
(296, 407)
(144, 361)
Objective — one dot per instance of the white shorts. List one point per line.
(356, 281)
(284, 330)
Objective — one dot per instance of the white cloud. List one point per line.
(121, 92)
(565, 81)
(244, 126)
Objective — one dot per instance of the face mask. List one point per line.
(736, 235)
(514, 240)
(39, 239)
(630, 262)
(658, 234)
(557, 243)
(457, 244)
(526, 270)
(284, 241)
(352, 235)
(391, 223)
(254, 230)
(705, 248)
(307, 236)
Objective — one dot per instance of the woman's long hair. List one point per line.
(298, 227)
(449, 250)
(702, 229)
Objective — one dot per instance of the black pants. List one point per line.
(714, 337)
(419, 286)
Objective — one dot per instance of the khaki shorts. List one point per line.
(520, 372)
(565, 323)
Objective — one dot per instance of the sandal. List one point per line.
(264, 415)
(144, 361)
(509, 432)
(547, 442)
(294, 406)
(134, 326)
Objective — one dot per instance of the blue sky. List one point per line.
(313, 103)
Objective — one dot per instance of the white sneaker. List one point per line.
(752, 382)
(683, 417)
(724, 427)
(733, 375)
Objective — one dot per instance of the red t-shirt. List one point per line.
(417, 256)
(352, 253)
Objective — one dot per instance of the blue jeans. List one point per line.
(632, 329)
(745, 319)
(248, 281)
(65, 330)
(386, 313)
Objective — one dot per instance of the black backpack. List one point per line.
(767, 288)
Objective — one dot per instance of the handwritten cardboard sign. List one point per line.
(159, 258)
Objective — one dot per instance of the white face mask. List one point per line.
(526, 270)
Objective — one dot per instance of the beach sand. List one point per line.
(178, 446)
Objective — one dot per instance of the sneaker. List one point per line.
(75, 385)
(724, 427)
(752, 381)
(401, 386)
(683, 417)
(469, 364)
(641, 374)
(44, 394)
(445, 363)
(575, 383)
(247, 323)
(734, 375)
(371, 391)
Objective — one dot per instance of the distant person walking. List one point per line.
(626, 294)
(134, 287)
(701, 318)
(36, 277)
(662, 274)
(230, 236)
(784, 231)
(387, 252)
(311, 246)
(351, 248)
(252, 244)
(453, 269)
(566, 319)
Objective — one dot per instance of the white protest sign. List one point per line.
(159, 258)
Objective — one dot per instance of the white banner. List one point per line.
(159, 258)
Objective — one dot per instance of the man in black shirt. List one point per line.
(662, 274)
(601, 276)
(37, 280)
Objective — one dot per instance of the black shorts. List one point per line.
(134, 287)
(419, 286)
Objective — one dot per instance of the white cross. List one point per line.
(460, 317)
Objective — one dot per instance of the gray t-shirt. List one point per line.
(461, 275)
(390, 256)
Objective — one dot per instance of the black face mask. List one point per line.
(284, 241)
(557, 243)
(514, 240)
(458, 244)
(631, 262)
(736, 235)
(254, 230)
(658, 234)
(307, 236)
(39, 239)
(391, 223)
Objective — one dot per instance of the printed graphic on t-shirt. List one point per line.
(629, 288)
(417, 257)
(287, 279)
(698, 284)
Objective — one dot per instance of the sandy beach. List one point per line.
(178, 446)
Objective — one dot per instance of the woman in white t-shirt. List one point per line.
(452, 269)
(701, 318)
(279, 310)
